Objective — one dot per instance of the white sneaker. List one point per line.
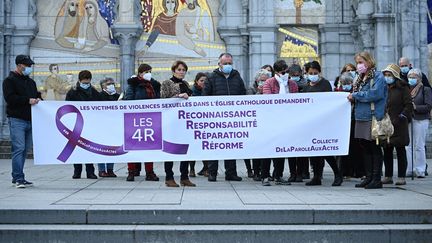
(20, 185)
(400, 181)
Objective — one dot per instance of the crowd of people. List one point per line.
(399, 91)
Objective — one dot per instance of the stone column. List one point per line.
(407, 30)
(233, 30)
(127, 31)
(385, 34)
(336, 41)
(424, 58)
(366, 28)
(262, 35)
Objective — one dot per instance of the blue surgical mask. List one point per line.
(405, 70)
(296, 78)
(313, 78)
(27, 71)
(227, 68)
(412, 81)
(353, 73)
(389, 80)
(85, 86)
(347, 87)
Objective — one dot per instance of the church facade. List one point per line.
(112, 37)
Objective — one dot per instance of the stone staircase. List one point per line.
(195, 225)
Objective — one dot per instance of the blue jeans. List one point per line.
(109, 166)
(21, 139)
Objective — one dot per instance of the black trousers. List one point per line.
(230, 167)
(256, 164)
(278, 164)
(89, 169)
(401, 160)
(184, 173)
(372, 159)
(296, 166)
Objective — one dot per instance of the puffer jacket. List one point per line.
(218, 84)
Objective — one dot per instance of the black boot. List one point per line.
(367, 162)
(318, 170)
(338, 179)
(131, 176)
(376, 173)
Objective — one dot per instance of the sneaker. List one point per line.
(387, 180)
(281, 181)
(28, 183)
(20, 185)
(266, 182)
(400, 181)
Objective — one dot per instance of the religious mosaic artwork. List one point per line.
(298, 44)
(73, 35)
(188, 23)
(300, 11)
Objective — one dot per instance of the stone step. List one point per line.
(214, 217)
(216, 233)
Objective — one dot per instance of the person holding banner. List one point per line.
(399, 108)
(422, 102)
(142, 87)
(317, 83)
(20, 93)
(108, 93)
(177, 87)
(279, 84)
(224, 81)
(83, 91)
(364, 95)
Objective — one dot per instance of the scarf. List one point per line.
(416, 89)
(148, 87)
(361, 81)
(184, 88)
(282, 85)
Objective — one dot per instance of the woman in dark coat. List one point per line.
(399, 107)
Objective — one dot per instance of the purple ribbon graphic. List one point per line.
(75, 138)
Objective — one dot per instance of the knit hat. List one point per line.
(394, 69)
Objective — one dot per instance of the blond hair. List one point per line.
(370, 61)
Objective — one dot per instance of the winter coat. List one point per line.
(135, 91)
(399, 108)
(196, 91)
(107, 97)
(17, 91)
(218, 84)
(423, 104)
(271, 86)
(170, 89)
(367, 94)
(77, 93)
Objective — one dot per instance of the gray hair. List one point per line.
(417, 72)
(105, 80)
(262, 72)
(345, 78)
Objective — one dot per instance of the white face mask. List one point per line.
(285, 77)
(147, 76)
(111, 89)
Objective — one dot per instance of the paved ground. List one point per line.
(55, 189)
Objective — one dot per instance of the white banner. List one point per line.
(200, 128)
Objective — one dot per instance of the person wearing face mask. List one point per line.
(177, 87)
(422, 105)
(197, 87)
(108, 93)
(295, 74)
(348, 68)
(83, 91)
(317, 83)
(399, 108)
(279, 84)
(141, 87)
(369, 88)
(20, 93)
(351, 164)
(405, 67)
(224, 81)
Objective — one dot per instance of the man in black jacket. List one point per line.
(405, 66)
(83, 91)
(20, 93)
(224, 81)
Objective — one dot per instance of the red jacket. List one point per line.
(271, 86)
